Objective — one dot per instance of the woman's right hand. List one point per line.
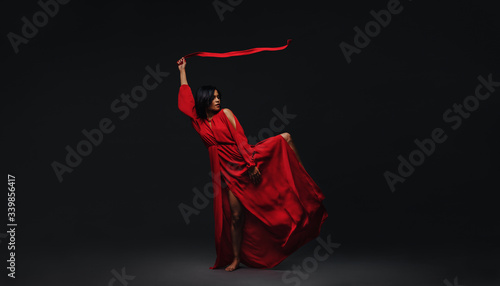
(255, 175)
(181, 64)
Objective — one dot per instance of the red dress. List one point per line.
(282, 212)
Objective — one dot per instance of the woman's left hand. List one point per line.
(255, 175)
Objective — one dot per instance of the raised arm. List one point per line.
(181, 64)
(185, 99)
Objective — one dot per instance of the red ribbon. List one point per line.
(238, 53)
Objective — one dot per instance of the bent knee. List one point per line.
(286, 136)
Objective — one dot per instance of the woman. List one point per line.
(266, 206)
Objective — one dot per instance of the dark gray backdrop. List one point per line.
(352, 120)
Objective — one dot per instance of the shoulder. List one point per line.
(230, 116)
(228, 113)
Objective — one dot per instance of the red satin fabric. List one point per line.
(238, 53)
(282, 212)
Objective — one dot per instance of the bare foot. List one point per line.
(234, 265)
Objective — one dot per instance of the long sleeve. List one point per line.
(186, 101)
(244, 148)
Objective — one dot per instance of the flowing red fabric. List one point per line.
(282, 212)
(238, 53)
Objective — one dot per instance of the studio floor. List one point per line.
(188, 262)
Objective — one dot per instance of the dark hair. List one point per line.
(203, 99)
